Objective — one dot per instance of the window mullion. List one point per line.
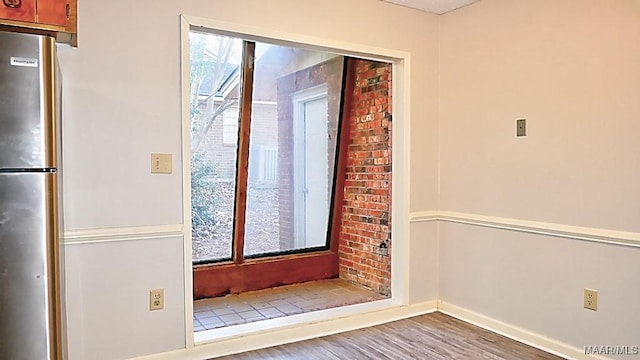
(342, 148)
(246, 98)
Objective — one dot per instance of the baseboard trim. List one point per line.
(92, 236)
(605, 236)
(516, 333)
(299, 332)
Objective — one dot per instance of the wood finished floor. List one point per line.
(432, 336)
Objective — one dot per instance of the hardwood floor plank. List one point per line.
(434, 336)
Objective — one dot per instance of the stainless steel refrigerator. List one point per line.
(31, 253)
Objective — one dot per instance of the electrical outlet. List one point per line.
(161, 163)
(591, 299)
(156, 299)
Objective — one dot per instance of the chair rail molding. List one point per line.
(606, 236)
(133, 233)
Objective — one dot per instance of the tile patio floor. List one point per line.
(276, 302)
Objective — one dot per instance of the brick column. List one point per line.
(366, 218)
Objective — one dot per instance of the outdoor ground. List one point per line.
(261, 232)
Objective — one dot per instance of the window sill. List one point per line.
(292, 321)
(266, 259)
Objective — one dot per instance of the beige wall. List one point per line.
(122, 102)
(122, 89)
(571, 69)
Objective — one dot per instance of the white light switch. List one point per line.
(521, 127)
(161, 163)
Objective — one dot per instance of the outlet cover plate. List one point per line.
(156, 299)
(591, 299)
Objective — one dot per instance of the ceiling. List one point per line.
(433, 6)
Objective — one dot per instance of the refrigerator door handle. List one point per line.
(49, 103)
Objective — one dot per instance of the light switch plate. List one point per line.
(161, 163)
(521, 127)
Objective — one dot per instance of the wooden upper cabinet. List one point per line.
(18, 10)
(51, 12)
(57, 18)
(72, 16)
(47, 14)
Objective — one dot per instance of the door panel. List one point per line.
(24, 130)
(19, 10)
(26, 237)
(316, 173)
(52, 12)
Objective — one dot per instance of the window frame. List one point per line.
(229, 127)
(317, 262)
(402, 61)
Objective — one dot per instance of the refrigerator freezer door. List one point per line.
(30, 326)
(27, 123)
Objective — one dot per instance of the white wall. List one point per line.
(425, 270)
(536, 283)
(122, 102)
(571, 69)
(108, 298)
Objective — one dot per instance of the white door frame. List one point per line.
(300, 98)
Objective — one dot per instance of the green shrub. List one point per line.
(203, 192)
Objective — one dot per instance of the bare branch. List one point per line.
(199, 136)
(212, 66)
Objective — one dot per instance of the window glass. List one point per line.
(214, 80)
(294, 124)
(292, 147)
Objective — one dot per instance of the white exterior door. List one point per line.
(316, 172)
(311, 168)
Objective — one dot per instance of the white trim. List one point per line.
(264, 102)
(92, 236)
(299, 99)
(301, 331)
(185, 69)
(424, 216)
(612, 237)
(275, 37)
(400, 180)
(254, 102)
(400, 254)
(309, 94)
(516, 333)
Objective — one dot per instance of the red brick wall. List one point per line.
(366, 218)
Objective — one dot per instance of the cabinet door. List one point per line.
(20, 10)
(52, 12)
(72, 16)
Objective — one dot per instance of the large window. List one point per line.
(264, 138)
